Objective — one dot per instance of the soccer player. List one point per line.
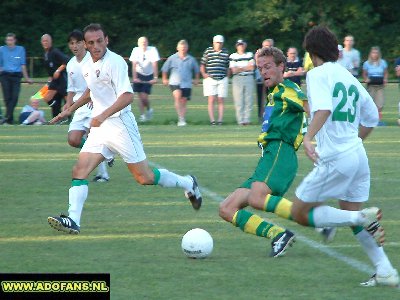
(277, 166)
(113, 131)
(343, 114)
(80, 124)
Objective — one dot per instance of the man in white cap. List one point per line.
(214, 68)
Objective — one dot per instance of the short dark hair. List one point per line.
(94, 27)
(322, 42)
(76, 35)
(11, 34)
(276, 53)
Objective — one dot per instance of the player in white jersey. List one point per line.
(113, 131)
(342, 115)
(80, 124)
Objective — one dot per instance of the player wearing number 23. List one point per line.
(342, 116)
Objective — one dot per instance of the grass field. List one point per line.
(134, 232)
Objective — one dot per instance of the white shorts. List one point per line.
(212, 87)
(346, 177)
(81, 119)
(117, 135)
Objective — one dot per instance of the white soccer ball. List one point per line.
(197, 243)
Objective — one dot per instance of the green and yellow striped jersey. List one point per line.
(286, 121)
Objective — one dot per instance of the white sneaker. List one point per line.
(149, 114)
(142, 118)
(181, 122)
(328, 234)
(372, 216)
(391, 280)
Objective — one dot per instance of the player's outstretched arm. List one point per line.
(85, 98)
(123, 101)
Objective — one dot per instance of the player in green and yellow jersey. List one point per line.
(281, 137)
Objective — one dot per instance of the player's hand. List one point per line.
(153, 81)
(310, 150)
(61, 116)
(97, 121)
(137, 80)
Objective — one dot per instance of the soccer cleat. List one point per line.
(111, 162)
(64, 223)
(142, 118)
(149, 114)
(281, 242)
(194, 195)
(391, 280)
(99, 178)
(372, 216)
(328, 234)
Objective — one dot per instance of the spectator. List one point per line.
(31, 115)
(144, 60)
(260, 83)
(375, 74)
(294, 66)
(181, 67)
(351, 56)
(214, 68)
(56, 63)
(397, 70)
(12, 68)
(242, 67)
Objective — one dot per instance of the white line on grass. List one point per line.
(354, 263)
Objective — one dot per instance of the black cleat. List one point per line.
(194, 195)
(281, 242)
(64, 223)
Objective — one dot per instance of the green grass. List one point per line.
(134, 232)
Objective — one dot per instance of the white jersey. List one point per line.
(76, 82)
(144, 59)
(107, 79)
(331, 87)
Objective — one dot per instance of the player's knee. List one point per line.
(74, 142)
(226, 212)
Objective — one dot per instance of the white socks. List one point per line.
(102, 170)
(169, 179)
(77, 197)
(375, 253)
(327, 216)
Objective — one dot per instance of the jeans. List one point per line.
(11, 85)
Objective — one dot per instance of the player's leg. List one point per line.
(210, 107)
(76, 138)
(78, 193)
(129, 145)
(385, 273)
(231, 210)
(322, 184)
(145, 175)
(147, 92)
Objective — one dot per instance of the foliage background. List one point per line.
(373, 22)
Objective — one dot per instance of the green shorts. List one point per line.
(277, 168)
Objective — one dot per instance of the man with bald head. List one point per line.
(144, 60)
(55, 63)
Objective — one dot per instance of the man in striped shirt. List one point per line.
(214, 69)
(242, 67)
